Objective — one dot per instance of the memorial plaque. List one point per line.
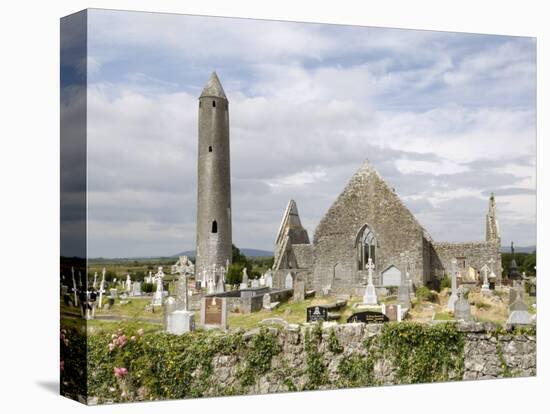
(213, 311)
(391, 312)
(368, 317)
(317, 313)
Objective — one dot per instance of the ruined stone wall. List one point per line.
(275, 358)
(367, 200)
(475, 255)
(487, 355)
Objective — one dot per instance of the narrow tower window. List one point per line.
(214, 226)
(210, 148)
(200, 104)
(214, 104)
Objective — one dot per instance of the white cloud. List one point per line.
(308, 104)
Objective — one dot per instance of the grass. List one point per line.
(291, 312)
(483, 309)
(135, 308)
(443, 316)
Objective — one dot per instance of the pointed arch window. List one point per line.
(214, 226)
(365, 245)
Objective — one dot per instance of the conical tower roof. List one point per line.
(213, 88)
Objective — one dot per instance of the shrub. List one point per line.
(423, 293)
(147, 287)
(445, 282)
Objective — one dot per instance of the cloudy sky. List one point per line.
(446, 118)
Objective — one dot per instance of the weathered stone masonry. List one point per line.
(487, 354)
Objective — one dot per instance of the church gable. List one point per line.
(367, 220)
(366, 200)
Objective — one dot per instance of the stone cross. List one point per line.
(453, 298)
(94, 285)
(269, 279)
(182, 268)
(128, 283)
(101, 288)
(157, 296)
(370, 268)
(370, 292)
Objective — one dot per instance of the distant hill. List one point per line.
(518, 249)
(245, 251)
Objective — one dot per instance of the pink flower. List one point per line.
(62, 365)
(111, 347)
(122, 340)
(120, 372)
(140, 331)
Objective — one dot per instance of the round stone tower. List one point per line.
(214, 179)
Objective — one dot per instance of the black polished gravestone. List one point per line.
(317, 313)
(368, 317)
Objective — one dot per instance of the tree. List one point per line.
(235, 274)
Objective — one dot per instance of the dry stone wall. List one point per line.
(488, 353)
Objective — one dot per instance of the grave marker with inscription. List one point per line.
(368, 317)
(317, 313)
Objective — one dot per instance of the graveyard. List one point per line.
(130, 302)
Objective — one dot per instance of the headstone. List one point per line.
(113, 292)
(269, 279)
(245, 277)
(266, 301)
(326, 290)
(462, 307)
(255, 283)
(316, 313)
(289, 282)
(370, 292)
(393, 312)
(214, 312)
(262, 280)
(128, 283)
(136, 288)
(454, 297)
(391, 276)
(368, 317)
(299, 291)
(94, 285)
